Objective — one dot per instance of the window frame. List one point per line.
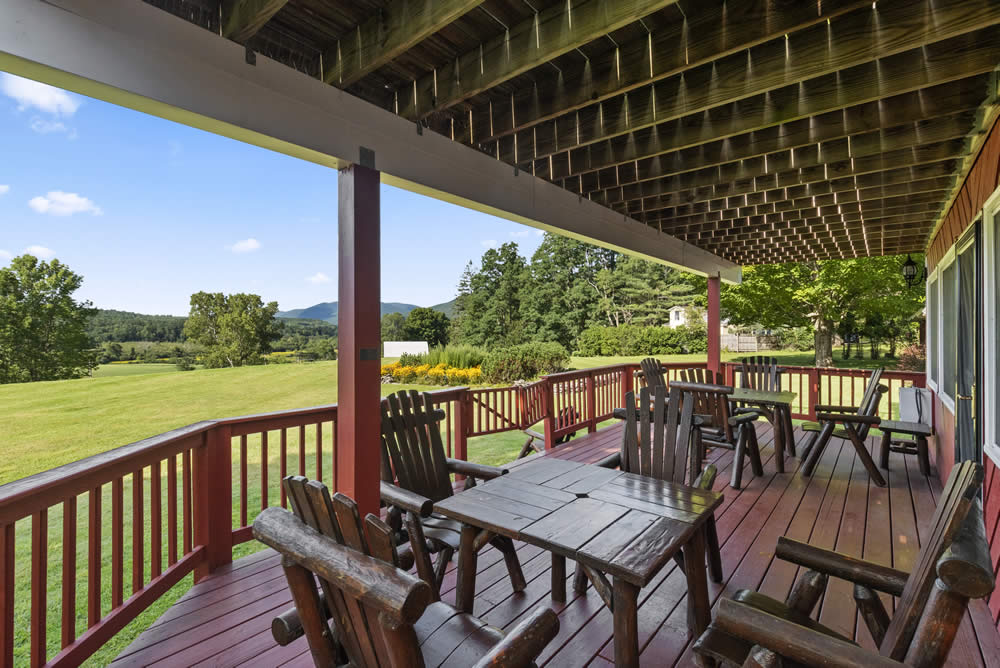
(933, 321)
(990, 429)
(941, 387)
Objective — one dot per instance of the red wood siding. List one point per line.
(991, 500)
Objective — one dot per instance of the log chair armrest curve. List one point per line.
(612, 461)
(524, 643)
(798, 643)
(877, 577)
(831, 408)
(845, 418)
(405, 499)
(481, 471)
(706, 479)
(743, 417)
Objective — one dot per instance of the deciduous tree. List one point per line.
(43, 330)
(236, 329)
(426, 324)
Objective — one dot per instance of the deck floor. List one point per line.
(225, 619)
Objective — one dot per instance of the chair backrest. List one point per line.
(413, 455)
(760, 373)
(659, 440)
(953, 506)
(373, 604)
(711, 398)
(652, 372)
(864, 407)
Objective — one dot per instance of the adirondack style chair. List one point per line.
(382, 615)
(952, 567)
(665, 442)
(416, 473)
(763, 373)
(855, 421)
(652, 372)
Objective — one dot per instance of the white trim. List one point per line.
(135, 55)
(944, 392)
(991, 336)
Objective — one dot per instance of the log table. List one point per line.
(615, 525)
(777, 409)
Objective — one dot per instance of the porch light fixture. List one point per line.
(910, 272)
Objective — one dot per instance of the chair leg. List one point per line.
(714, 552)
(441, 567)
(738, 456)
(922, 458)
(865, 457)
(883, 455)
(786, 420)
(809, 444)
(817, 449)
(506, 546)
(753, 450)
(580, 580)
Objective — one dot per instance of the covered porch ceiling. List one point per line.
(706, 134)
(761, 131)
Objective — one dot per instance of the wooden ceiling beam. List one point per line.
(708, 30)
(722, 183)
(846, 62)
(756, 226)
(242, 19)
(828, 152)
(388, 33)
(551, 32)
(890, 115)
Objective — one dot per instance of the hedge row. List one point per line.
(636, 340)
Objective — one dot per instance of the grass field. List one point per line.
(53, 423)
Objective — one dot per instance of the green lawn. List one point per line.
(108, 370)
(53, 423)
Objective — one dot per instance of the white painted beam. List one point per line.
(131, 54)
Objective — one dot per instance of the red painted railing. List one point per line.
(186, 498)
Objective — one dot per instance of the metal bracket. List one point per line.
(366, 157)
(368, 354)
(251, 56)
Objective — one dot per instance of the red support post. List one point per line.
(213, 500)
(550, 415)
(591, 403)
(628, 381)
(714, 325)
(358, 381)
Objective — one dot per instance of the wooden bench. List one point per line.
(917, 445)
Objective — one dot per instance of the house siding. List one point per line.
(979, 184)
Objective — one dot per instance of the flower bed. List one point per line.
(425, 374)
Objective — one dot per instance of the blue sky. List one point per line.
(149, 212)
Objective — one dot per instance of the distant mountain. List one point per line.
(327, 311)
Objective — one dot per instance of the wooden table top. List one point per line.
(762, 396)
(622, 524)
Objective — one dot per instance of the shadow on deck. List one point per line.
(225, 619)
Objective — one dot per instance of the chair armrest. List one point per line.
(742, 418)
(845, 418)
(524, 643)
(830, 408)
(471, 470)
(405, 499)
(610, 462)
(706, 479)
(798, 643)
(880, 578)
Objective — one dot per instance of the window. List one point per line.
(949, 331)
(991, 316)
(933, 302)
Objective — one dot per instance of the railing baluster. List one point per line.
(333, 452)
(94, 561)
(243, 480)
(188, 526)
(39, 584)
(172, 510)
(302, 449)
(7, 540)
(319, 451)
(117, 541)
(138, 533)
(263, 470)
(155, 522)
(283, 467)
(69, 572)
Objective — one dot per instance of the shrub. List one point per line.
(796, 338)
(524, 361)
(635, 340)
(913, 358)
(411, 359)
(461, 356)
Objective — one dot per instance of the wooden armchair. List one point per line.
(952, 567)
(652, 372)
(416, 473)
(382, 615)
(855, 423)
(665, 443)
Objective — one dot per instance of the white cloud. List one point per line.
(31, 94)
(4, 189)
(174, 148)
(245, 246)
(520, 233)
(488, 243)
(59, 203)
(44, 127)
(539, 232)
(41, 252)
(5, 255)
(318, 278)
